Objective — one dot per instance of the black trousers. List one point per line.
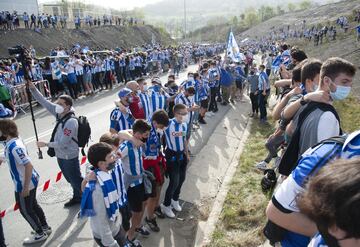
(254, 103)
(31, 210)
(2, 238)
(213, 104)
(176, 168)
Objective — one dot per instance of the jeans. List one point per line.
(31, 211)
(272, 144)
(71, 171)
(176, 169)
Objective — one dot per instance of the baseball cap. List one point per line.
(124, 92)
(156, 80)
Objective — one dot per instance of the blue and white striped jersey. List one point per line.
(157, 101)
(118, 177)
(17, 158)
(146, 104)
(120, 121)
(132, 161)
(175, 135)
(182, 99)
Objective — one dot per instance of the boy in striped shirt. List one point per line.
(121, 117)
(26, 180)
(131, 157)
(177, 157)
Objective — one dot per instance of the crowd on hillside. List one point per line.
(11, 21)
(316, 33)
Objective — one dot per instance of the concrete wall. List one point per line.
(21, 6)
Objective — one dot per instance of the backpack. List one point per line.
(84, 132)
(289, 159)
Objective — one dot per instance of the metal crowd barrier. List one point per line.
(19, 95)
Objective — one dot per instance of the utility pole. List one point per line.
(185, 20)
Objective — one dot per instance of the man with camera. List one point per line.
(63, 144)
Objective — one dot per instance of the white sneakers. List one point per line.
(175, 205)
(167, 211)
(35, 238)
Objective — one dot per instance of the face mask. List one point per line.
(341, 93)
(59, 109)
(315, 87)
(146, 87)
(138, 91)
(130, 100)
(111, 166)
(185, 119)
(2, 139)
(160, 131)
(144, 140)
(191, 98)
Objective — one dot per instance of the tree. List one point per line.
(242, 16)
(291, 7)
(305, 4)
(251, 18)
(279, 10)
(234, 20)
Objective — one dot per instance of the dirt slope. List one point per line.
(104, 37)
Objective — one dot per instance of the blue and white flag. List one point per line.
(232, 50)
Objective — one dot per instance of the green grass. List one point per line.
(243, 214)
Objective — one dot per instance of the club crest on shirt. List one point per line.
(20, 153)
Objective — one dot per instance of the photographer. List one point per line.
(64, 140)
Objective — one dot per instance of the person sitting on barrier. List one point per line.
(25, 179)
(64, 144)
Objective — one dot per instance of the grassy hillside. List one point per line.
(102, 37)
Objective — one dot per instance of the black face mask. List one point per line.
(144, 140)
(111, 166)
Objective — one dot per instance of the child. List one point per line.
(177, 157)
(26, 180)
(100, 197)
(131, 157)
(154, 162)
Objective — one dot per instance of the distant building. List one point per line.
(20, 6)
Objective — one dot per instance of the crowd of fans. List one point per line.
(80, 72)
(11, 21)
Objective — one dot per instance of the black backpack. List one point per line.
(84, 132)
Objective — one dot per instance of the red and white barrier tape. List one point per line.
(40, 189)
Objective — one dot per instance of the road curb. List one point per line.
(204, 233)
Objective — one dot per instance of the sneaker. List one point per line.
(209, 114)
(152, 224)
(175, 205)
(159, 214)
(143, 231)
(262, 165)
(46, 229)
(167, 211)
(72, 202)
(35, 238)
(212, 113)
(202, 121)
(132, 243)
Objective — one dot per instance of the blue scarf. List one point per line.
(110, 194)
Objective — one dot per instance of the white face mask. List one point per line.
(160, 131)
(59, 109)
(185, 119)
(191, 98)
(138, 91)
(146, 87)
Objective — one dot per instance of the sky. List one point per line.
(116, 4)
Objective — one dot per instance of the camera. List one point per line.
(17, 50)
